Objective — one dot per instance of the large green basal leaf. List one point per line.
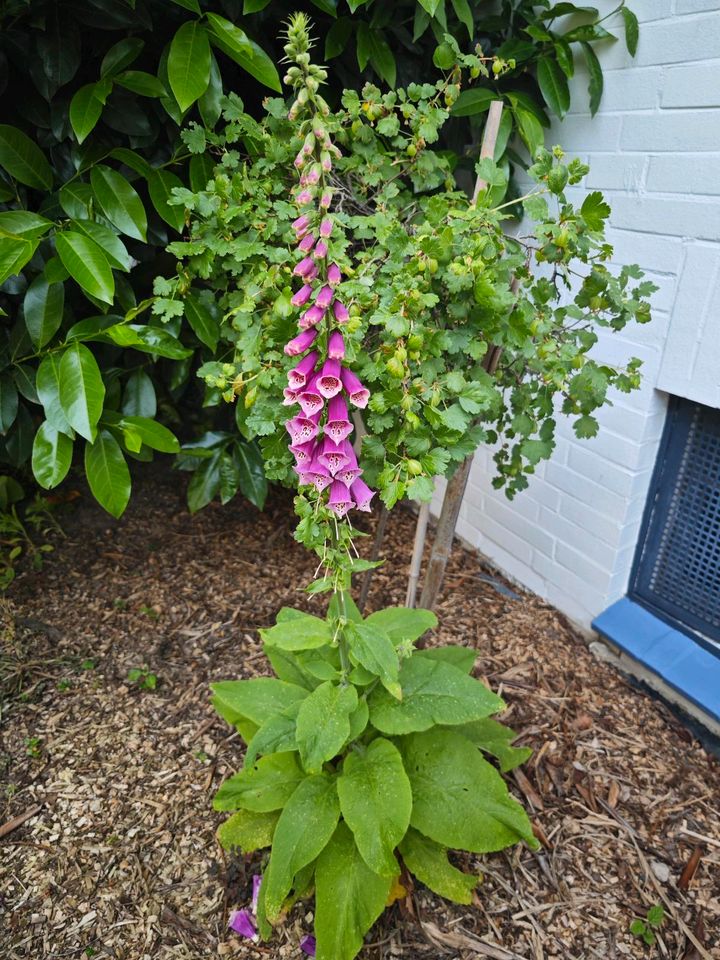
(428, 861)
(305, 826)
(403, 623)
(323, 723)
(82, 391)
(276, 735)
(461, 657)
(247, 831)
(349, 897)
(373, 649)
(107, 473)
(496, 739)
(459, 799)
(376, 800)
(302, 632)
(256, 700)
(265, 786)
(433, 692)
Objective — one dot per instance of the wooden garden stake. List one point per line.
(442, 544)
(416, 562)
(375, 554)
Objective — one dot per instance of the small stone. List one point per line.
(661, 870)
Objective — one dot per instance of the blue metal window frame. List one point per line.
(670, 453)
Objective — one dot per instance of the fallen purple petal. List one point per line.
(307, 945)
(241, 922)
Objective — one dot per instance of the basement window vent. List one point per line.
(677, 565)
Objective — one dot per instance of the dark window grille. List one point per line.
(677, 564)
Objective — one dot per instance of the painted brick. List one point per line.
(623, 90)
(671, 131)
(694, 84)
(695, 6)
(567, 532)
(608, 171)
(647, 249)
(685, 173)
(511, 518)
(697, 219)
(510, 542)
(669, 40)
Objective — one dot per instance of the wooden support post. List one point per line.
(455, 489)
(418, 546)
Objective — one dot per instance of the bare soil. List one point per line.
(117, 855)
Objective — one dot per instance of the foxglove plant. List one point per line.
(364, 755)
(319, 384)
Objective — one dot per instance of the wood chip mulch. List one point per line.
(107, 844)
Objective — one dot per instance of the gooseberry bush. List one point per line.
(361, 291)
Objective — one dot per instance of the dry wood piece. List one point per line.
(690, 869)
(125, 859)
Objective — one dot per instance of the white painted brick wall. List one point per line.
(654, 150)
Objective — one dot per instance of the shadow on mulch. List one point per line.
(118, 857)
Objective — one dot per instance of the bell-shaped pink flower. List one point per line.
(358, 394)
(326, 228)
(310, 399)
(336, 346)
(332, 455)
(307, 243)
(303, 268)
(302, 429)
(300, 298)
(305, 478)
(339, 500)
(241, 922)
(321, 477)
(298, 376)
(290, 397)
(348, 473)
(334, 275)
(301, 225)
(362, 495)
(299, 344)
(324, 298)
(303, 452)
(312, 316)
(320, 251)
(340, 311)
(337, 426)
(329, 382)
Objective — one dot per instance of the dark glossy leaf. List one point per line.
(139, 395)
(553, 86)
(161, 183)
(23, 159)
(8, 402)
(252, 6)
(204, 325)
(632, 31)
(43, 309)
(23, 223)
(51, 456)
(464, 14)
(14, 254)
(81, 390)
(107, 473)
(595, 86)
(245, 52)
(19, 441)
(253, 483)
(85, 111)
(470, 102)
(204, 485)
(337, 37)
(76, 200)
(119, 201)
(86, 263)
(47, 383)
(142, 83)
(201, 170)
(121, 55)
(111, 245)
(147, 339)
(189, 63)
